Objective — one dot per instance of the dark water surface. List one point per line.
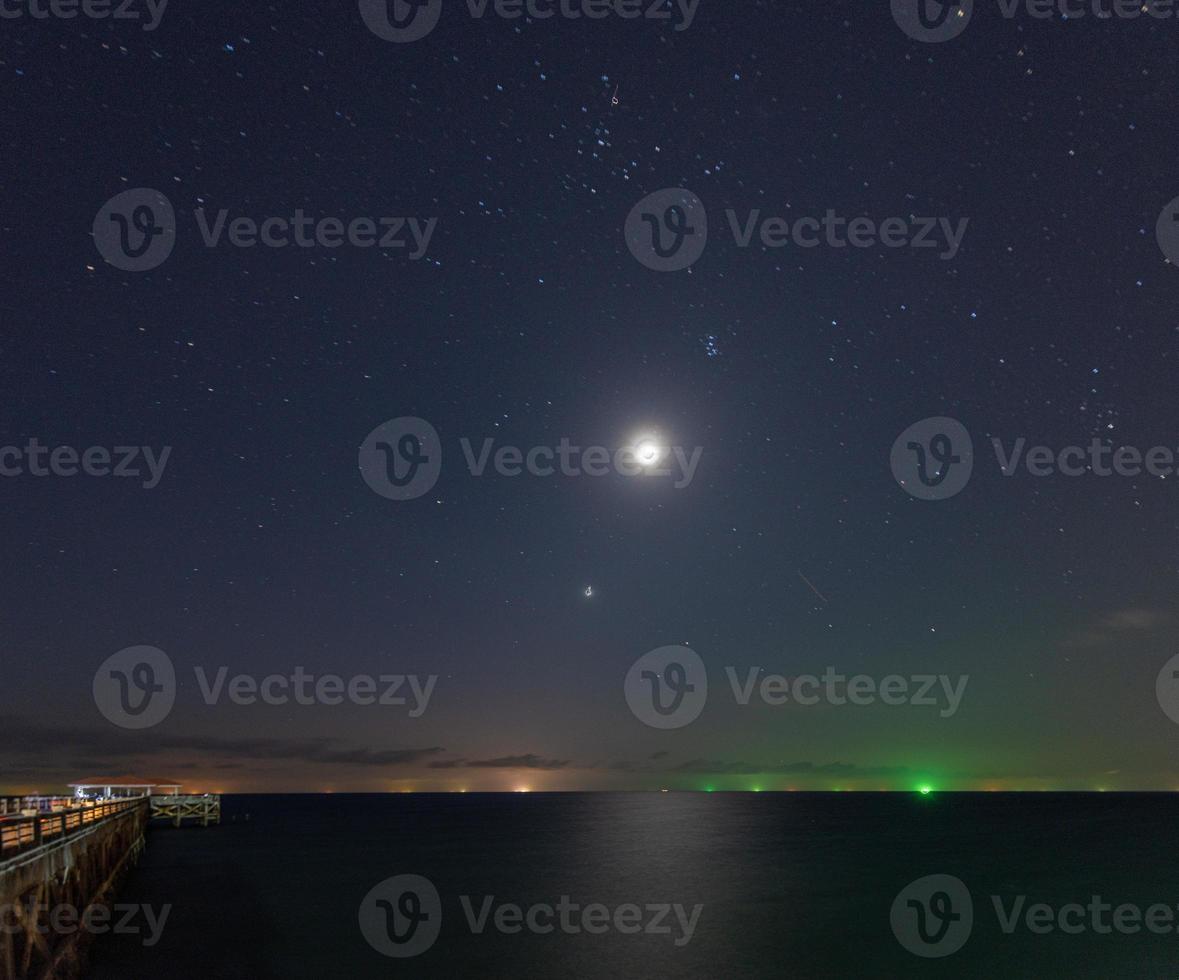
(792, 885)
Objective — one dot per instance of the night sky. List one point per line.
(528, 320)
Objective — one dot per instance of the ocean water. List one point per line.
(787, 885)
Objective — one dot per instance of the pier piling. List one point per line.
(61, 860)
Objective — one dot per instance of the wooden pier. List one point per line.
(60, 853)
(202, 809)
(65, 859)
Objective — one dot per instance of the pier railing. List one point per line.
(18, 833)
(204, 810)
(64, 859)
(56, 854)
(19, 805)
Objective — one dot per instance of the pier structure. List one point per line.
(167, 802)
(178, 809)
(54, 868)
(62, 859)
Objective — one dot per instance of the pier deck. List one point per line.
(57, 855)
(202, 809)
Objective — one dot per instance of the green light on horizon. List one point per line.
(924, 790)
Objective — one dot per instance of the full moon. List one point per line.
(647, 448)
(647, 453)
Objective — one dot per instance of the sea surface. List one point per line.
(787, 885)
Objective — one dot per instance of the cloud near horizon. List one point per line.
(529, 761)
(105, 752)
(1116, 625)
(100, 748)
